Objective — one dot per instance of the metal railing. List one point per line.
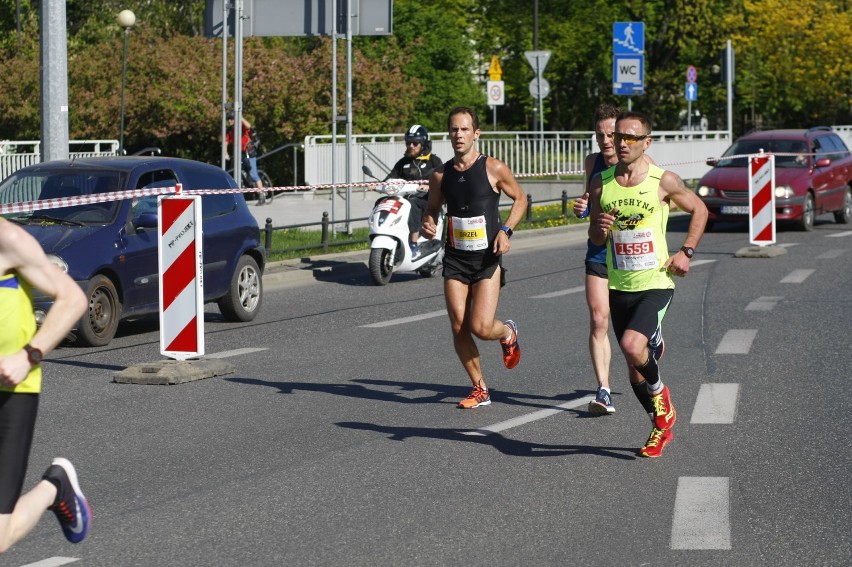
(326, 224)
(17, 154)
(556, 154)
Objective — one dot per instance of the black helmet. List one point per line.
(418, 133)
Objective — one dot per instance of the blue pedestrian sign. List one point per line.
(628, 38)
(691, 91)
(628, 61)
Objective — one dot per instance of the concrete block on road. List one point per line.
(760, 252)
(169, 372)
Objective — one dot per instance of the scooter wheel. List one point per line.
(381, 268)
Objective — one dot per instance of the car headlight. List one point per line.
(59, 262)
(784, 192)
(705, 191)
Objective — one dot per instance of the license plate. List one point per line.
(734, 210)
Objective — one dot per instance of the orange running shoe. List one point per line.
(511, 348)
(664, 411)
(477, 397)
(656, 442)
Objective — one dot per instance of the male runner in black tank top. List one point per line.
(471, 184)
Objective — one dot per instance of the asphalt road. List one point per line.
(337, 440)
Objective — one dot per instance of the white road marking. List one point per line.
(767, 303)
(403, 320)
(702, 513)
(831, 254)
(839, 234)
(559, 293)
(534, 416)
(52, 562)
(797, 276)
(235, 352)
(694, 263)
(788, 244)
(737, 341)
(716, 403)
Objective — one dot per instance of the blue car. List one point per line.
(110, 248)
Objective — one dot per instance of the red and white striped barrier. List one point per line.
(761, 199)
(181, 263)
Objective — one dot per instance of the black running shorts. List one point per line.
(471, 268)
(17, 424)
(596, 269)
(640, 311)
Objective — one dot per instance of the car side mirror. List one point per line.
(712, 162)
(146, 220)
(823, 162)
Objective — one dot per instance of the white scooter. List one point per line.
(389, 235)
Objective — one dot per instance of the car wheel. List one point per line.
(245, 294)
(806, 223)
(99, 323)
(844, 215)
(381, 268)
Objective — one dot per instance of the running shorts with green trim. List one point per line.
(640, 311)
(17, 425)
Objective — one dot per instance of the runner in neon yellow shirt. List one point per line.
(630, 204)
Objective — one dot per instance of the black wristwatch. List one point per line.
(507, 230)
(34, 355)
(688, 250)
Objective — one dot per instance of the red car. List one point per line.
(812, 176)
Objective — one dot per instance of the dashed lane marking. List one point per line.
(235, 352)
(839, 234)
(695, 263)
(737, 341)
(403, 320)
(559, 293)
(831, 254)
(702, 513)
(52, 562)
(530, 417)
(716, 403)
(797, 276)
(764, 303)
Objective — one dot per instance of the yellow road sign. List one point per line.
(495, 71)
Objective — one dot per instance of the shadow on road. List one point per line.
(506, 446)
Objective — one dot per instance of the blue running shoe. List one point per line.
(71, 507)
(602, 404)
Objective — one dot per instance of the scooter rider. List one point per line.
(417, 164)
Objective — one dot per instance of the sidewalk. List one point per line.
(334, 266)
(308, 206)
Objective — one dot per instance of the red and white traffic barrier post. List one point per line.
(761, 199)
(180, 264)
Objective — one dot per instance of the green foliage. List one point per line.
(792, 69)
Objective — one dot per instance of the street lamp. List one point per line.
(126, 19)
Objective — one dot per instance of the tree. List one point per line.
(793, 62)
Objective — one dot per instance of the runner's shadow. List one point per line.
(353, 390)
(505, 445)
(401, 392)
